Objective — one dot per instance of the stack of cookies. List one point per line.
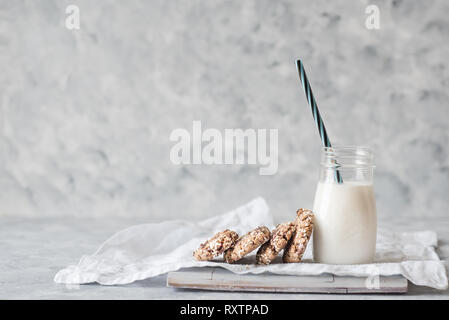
(292, 237)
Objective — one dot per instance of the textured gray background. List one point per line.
(86, 115)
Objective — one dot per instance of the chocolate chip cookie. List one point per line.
(295, 248)
(216, 245)
(249, 242)
(279, 239)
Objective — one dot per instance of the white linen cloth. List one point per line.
(148, 250)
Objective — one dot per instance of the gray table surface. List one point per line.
(33, 250)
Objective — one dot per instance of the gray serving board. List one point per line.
(224, 280)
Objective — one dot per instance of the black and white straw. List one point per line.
(315, 112)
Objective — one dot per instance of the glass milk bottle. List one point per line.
(345, 224)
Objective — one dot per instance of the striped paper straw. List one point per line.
(316, 113)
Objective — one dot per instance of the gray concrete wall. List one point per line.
(86, 114)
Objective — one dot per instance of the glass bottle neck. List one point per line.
(346, 164)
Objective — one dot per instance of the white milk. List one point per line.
(345, 224)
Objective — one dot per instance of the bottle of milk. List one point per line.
(345, 225)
